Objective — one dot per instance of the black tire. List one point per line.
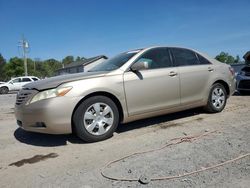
(78, 121)
(4, 90)
(210, 107)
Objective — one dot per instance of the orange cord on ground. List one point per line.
(178, 141)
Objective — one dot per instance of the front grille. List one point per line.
(247, 73)
(244, 84)
(22, 97)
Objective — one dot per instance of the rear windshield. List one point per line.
(114, 62)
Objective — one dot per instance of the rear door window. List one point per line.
(184, 57)
(26, 80)
(35, 79)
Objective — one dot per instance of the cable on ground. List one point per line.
(174, 141)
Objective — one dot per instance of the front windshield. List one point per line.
(114, 62)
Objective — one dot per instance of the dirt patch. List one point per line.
(199, 119)
(167, 125)
(35, 159)
(174, 124)
(10, 112)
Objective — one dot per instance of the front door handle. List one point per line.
(210, 69)
(172, 73)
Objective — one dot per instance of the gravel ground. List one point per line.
(39, 160)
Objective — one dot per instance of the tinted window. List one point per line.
(157, 58)
(184, 57)
(35, 79)
(202, 60)
(25, 80)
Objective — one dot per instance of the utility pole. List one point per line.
(36, 60)
(25, 46)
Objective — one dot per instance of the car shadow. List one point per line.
(158, 120)
(47, 140)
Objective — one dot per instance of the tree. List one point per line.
(14, 68)
(2, 65)
(78, 58)
(237, 59)
(51, 65)
(225, 58)
(2, 60)
(68, 59)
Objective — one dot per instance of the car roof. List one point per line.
(25, 77)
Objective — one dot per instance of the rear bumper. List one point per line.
(51, 116)
(232, 87)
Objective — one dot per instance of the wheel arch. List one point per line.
(100, 93)
(225, 84)
(4, 86)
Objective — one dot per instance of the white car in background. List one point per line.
(16, 84)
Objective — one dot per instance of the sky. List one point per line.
(57, 28)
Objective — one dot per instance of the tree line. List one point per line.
(46, 68)
(14, 67)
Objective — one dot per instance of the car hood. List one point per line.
(54, 82)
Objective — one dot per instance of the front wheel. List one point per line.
(96, 119)
(4, 90)
(217, 99)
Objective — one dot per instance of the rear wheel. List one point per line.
(96, 119)
(4, 90)
(217, 99)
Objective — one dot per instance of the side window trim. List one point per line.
(172, 58)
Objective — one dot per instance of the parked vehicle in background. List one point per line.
(132, 85)
(237, 67)
(16, 84)
(243, 80)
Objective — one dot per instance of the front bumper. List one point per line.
(51, 116)
(243, 83)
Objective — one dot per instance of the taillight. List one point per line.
(232, 71)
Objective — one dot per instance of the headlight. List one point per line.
(57, 92)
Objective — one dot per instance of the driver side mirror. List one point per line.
(140, 65)
(11, 82)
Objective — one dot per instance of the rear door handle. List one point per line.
(210, 69)
(172, 73)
